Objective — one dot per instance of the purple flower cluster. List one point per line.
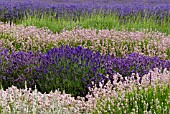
(71, 69)
(16, 10)
(136, 63)
(16, 68)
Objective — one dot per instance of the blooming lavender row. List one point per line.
(20, 38)
(17, 10)
(93, 1)
(70, 68)
(120, 42)
(13, 100)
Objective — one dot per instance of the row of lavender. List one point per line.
(13, 10)
(71, 69)
(119, 43)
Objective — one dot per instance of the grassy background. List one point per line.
(98, 22)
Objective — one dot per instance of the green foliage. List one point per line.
(99, 22)
(168, 53)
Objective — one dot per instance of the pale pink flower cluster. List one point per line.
(14, 100)
(151, 79)
(116, 92)
(32, 38)
(28, 101)
(27, 38)
(156, 42)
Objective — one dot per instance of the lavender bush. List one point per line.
(70, 69)
(140, 100)
(136, 63)
(16, 68)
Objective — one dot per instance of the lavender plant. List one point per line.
(16, 68)
(71, 69)
(136, 63)
(130, 96)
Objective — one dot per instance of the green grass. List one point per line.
(98, 22)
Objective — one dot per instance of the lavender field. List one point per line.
(85, 57)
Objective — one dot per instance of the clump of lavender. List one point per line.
(132, 97)
(71, 69)
(16, 68)
(137, 63)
